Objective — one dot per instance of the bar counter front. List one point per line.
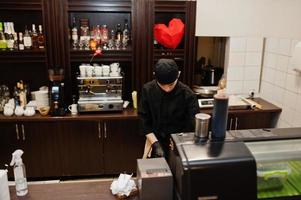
(249, 164)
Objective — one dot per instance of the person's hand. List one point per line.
(157, 150)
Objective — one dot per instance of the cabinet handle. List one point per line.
(99, 133)
(236, 123)
(23, 131)
(105, 128)
(17, 132)
(231, 120)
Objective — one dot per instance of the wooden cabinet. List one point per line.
(237, 121)
(252, 119)
(81, 148)
(38, 141)
(72, 146)
(122, 146)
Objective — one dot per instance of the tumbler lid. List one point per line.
(202, 116)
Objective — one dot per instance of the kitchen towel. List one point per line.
(219, 117)
(4, 190)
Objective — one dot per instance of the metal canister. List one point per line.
(202, 126)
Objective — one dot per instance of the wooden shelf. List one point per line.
(128, 113)
(97, 6)
(32, 5)
(108, 55)
(176, 54)
(8, 56)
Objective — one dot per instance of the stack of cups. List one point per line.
(41, 97)
(201, 127)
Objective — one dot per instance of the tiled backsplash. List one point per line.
(279, 83)
(244, 64)
(273, 73)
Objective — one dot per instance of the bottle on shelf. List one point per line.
(93, 41)
(21, 41)
(111, 42)
(5, 30)
(84, 34)
(41, 38)
(118, 38)
(97, 35)
(10, 37)
(74, 35)
(27, 39)
(3, 43)
(15, 36)
(126, 35)
(34, 37)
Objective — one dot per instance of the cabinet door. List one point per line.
(9, 142)
(81, 146)
(122, 146)
(249, 121)
(41, 150)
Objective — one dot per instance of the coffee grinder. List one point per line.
(56, 90)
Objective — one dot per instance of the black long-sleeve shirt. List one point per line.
(164, 113)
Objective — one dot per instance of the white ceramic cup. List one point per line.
(19, 111)
(105, 70)
(114, 74)
(98, 71)
(82, 70)
(73, 109)
(114, 67)
(89, 70)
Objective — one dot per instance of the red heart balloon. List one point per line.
(170, 36)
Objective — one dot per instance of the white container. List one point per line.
(4, 190)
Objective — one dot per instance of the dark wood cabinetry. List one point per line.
(136, 61)
(73, 146)
(252, 119)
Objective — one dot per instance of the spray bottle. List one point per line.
(19, 173)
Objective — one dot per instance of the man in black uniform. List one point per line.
(166, 106)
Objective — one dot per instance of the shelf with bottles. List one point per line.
(21, 31)
(107, 31)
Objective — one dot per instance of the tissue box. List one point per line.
(4, 190)
(154, 179)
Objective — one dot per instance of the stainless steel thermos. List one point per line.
(202, 126)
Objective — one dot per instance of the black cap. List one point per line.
(166, 71)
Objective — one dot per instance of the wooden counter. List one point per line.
(128, 113)
(96, 190)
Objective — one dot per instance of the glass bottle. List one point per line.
(21, 42)
(3, 43)
(34, 37)
(84, 33)
(27, 39)
(105, 34)
(41, 38)
(126, 35)
(111, 42)
(118, 36)
(10, 36)
(74, 34)
(93, 41)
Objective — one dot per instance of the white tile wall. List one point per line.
(244, 64)
(279, 83)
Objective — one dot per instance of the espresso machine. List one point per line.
(56, 90)
(100, 93)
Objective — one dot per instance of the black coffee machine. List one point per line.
(56, 90)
